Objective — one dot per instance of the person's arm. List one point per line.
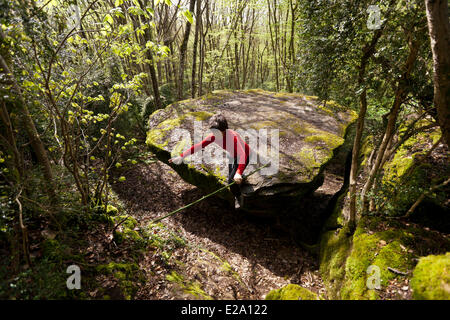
(196, 147)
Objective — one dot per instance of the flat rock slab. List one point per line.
(296, 134)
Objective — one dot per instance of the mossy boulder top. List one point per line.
(309, 133)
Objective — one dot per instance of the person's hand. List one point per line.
(237, 178)
(176, 160)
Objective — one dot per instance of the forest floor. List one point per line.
(206, 251)
(227, 254)
(224, 254)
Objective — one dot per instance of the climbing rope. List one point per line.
(207, 196)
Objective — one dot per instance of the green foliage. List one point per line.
(331, 46)
(46, 279)
(407, 176)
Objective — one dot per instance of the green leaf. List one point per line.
(108, 19)
(27, 83)
(134, 10)
(118, 3)
(188, 15)
(151, 11)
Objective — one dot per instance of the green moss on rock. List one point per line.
(407, 174)
(127, 275)
(190, 287)
(292, 292)
(156, 135)
(112, 267)
(344, 259)
(335, 246)
(325, 138)
(382, 249)
(431, 278)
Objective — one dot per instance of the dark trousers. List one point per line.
(232, 168)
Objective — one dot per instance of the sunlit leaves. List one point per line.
(108, 19)
(150, 11)
(135, 10)
(188, 16)
(108, 23)
(117, 12)
(167, 2)
(78, 103)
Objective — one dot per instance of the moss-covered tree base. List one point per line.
(431, 278)
(292, 292)
(384, 249)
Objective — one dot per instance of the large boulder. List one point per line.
(302, 136)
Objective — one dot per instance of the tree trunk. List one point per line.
(439, 29)
(274, 49)
(194, 54)
(183, 50)
(400, 94)
(368, 52)
(33, 135)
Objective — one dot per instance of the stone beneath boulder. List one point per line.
(296, 134)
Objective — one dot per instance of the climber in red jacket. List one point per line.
(232, 142)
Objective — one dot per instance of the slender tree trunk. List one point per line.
(18, 159)
(151, 66)
(400, 94)
(152, 71)
(33, 135)
(154, 77)
(291, 43)
(198, 20)
(236, 62)
(183, 50)
(274, 49)
(368, 52)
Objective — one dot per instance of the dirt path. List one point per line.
(229, 255)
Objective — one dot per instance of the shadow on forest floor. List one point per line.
(255, 247)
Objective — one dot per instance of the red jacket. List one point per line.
(231, 142)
